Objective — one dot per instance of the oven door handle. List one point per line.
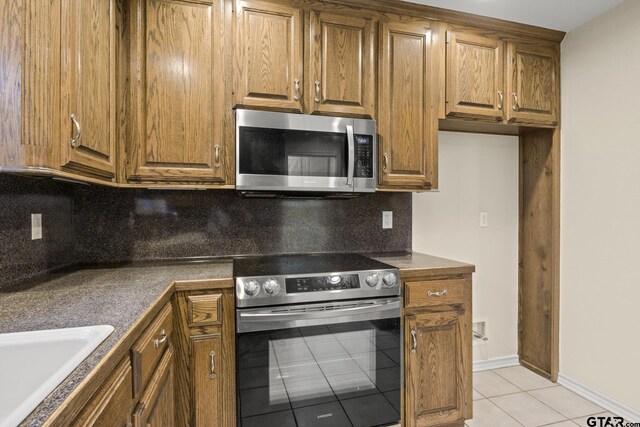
(352, 155)
(320, 313)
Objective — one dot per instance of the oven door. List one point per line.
(321, 364)
(303, 153)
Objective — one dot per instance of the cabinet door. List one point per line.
(268, 55)
(156, 407)
(88, 86)
(112, 405)
(342, 69)
(407, 122)
(207, 379)
(475, 76)
(178, 83)
(434, 365)
(532, 75)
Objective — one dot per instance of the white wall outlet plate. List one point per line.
(36, 226)
(387, 219)
(484, 219)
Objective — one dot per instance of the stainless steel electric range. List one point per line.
(318, 341)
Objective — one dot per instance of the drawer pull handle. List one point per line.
(212, 375)
(385, 163)
(216, 160)
(438, 294)
(500, 100)
(516, 105)
(414, 341)
(163, 337)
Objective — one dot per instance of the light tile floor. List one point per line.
(516, 397)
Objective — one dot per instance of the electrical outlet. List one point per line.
(387, 219)
(36, 226)
(484, 219)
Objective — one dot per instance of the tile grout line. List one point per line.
(523, 391)
(508, 414)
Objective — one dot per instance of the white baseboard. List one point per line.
(611, 405)
(498, 362)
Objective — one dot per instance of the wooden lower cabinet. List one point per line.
(207, 381)
(438, 389)
(113, 403)
(206, 372)
(156, 407)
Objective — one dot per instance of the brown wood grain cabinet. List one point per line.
(501, 79)
(532, 82)
(438, 352)
(112, 405)
(268, 55)
(178, 92)
(475, 76)
(88, 70)
(341, 64)
(156, 407)
(205, 349)
(407, 120)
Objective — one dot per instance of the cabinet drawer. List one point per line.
(148, 350)
(204, 310)
(434, 292)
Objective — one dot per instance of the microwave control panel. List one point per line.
(364, 156)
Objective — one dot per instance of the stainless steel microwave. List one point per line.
(283, 152)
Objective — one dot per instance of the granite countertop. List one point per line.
(116, 296)
(418, 261)
(119, 296)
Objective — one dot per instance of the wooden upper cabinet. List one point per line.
(475, 76)
(407, 122)
(342, 65)
(435, 376)
(532, 76)
(88, 86)
(268, 55)
(178, 92)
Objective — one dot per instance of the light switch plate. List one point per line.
(387, 220)
(484, 219)
(36, 226)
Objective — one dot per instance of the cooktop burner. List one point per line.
(285, 265)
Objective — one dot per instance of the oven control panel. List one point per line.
(261, 291)
(322, 283)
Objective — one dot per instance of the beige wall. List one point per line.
(478, 173)
(600, 228)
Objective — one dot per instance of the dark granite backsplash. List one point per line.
(128, 224)
(93, 224)
(20, 257)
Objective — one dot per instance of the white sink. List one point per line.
(32, 364)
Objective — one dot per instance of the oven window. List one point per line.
(292, 152)
(334, 375)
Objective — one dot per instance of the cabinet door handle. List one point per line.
(438, 294)
(212, 373)
(317, 98)
(77, 133)
(385, 163)
(414, 341)
(163, 338)
(296, 84)
(516, 106)
(500, 100)
(216, 161)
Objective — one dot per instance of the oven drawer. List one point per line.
(434, 292)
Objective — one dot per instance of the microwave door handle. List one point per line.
(352, 154)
